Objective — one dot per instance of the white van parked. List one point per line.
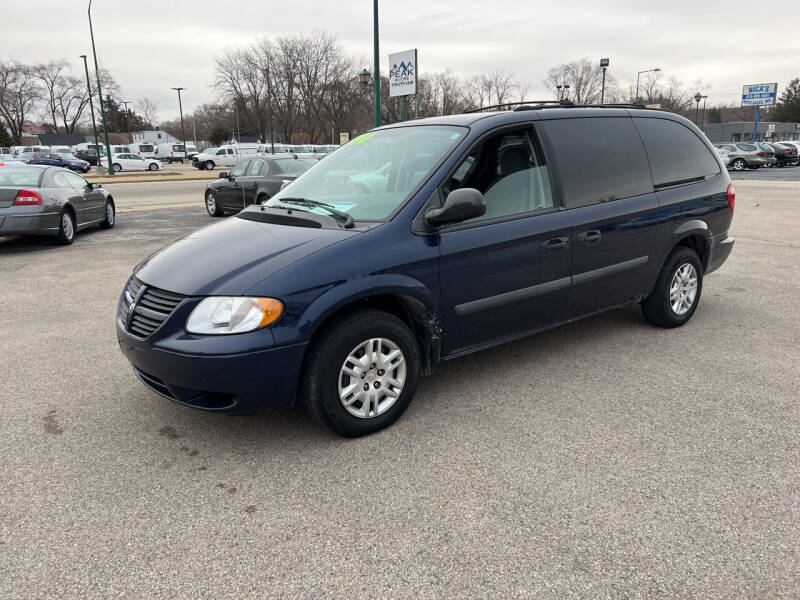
(174, 152)
(143, 150)
(267, 149)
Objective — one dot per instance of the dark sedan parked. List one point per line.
(89, 156)
(785, 154)
(253, 181)
(43, 200)
(62, 160)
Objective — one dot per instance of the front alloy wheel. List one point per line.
(372, 378)
(739, 164)
(211, 205)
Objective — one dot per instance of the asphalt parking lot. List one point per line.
(604, 459)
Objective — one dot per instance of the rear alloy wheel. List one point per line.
(211, 205)
(739, 164)
(111, 216)
(361, 373)
(209, 165)
(677, 293)
(153, 167)
(66, 228)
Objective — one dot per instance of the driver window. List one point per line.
(239, 169)
(257, 168)
(507, 171)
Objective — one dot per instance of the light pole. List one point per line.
(653, 70)
(560, 96)
(100, 96)
(703, 118)
(566, 91)
(604, 65)
(183, 132)
(91, 107)
(376, 48)
(127, 124)
(697, 97)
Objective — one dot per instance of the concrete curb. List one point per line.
(147, 177)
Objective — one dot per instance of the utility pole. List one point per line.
(127, 123)
(183, 131)
(376, 47)
(604, 64)
(100, 96)
(91, 107)
(269, 107)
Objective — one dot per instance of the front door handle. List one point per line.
(558, 244)
(588, 238)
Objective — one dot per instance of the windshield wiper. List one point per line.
(347, 218)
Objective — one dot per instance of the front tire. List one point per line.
(677, 293)
(361, 373)
(209, 165)
(66, 228)
(111, 216)
(211, 205)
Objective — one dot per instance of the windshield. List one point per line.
(374, 174)
(210, 150)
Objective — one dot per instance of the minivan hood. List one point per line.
(229, 257)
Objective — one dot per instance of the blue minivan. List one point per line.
(339, 292)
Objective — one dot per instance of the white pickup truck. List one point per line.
(224, 156)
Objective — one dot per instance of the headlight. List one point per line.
(219, 315)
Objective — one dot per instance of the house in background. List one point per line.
(152, 137)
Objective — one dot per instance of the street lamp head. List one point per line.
(604, 62)
(364, 77)
(697, 97)
(83, 56)
(656, 70)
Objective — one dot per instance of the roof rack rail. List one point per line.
(538, 104)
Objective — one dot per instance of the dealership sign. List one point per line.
(403, 73)
(759, 94)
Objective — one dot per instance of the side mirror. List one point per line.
(223, 175)
(96, 185)
(460, 205)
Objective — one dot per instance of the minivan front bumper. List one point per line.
(233, 383)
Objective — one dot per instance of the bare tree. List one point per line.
(584, 79)
(501, 83)
(148, 108)
(477, 92)
(20, 90)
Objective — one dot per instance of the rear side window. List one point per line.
(598, 159)
(747, 147)
(676, 154)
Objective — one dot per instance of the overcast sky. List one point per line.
(152, 45)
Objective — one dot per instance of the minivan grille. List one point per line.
(153, 306)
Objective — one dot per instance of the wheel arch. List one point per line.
(399, 295)
(696, 235)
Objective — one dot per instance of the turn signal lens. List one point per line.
(220, 315)
(27, 197)
(731, 196)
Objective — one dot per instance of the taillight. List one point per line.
(26, 198)
(761, 154)
(730, 194)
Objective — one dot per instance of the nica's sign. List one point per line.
(403, 73)
(759, 94)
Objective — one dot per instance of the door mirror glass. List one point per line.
(223, 175)
(96, 186)
(460, 205)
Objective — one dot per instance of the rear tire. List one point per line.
(152, 167)
(66, 228)
(111, 216)
(117, 168)
(211, 205)
(677, 292)
(390, 372)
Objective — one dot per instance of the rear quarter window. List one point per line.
(676, 153)
(597, 159)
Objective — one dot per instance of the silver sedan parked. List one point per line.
(42, 200)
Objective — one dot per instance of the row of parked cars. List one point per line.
(230, 154)
(753, 155)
